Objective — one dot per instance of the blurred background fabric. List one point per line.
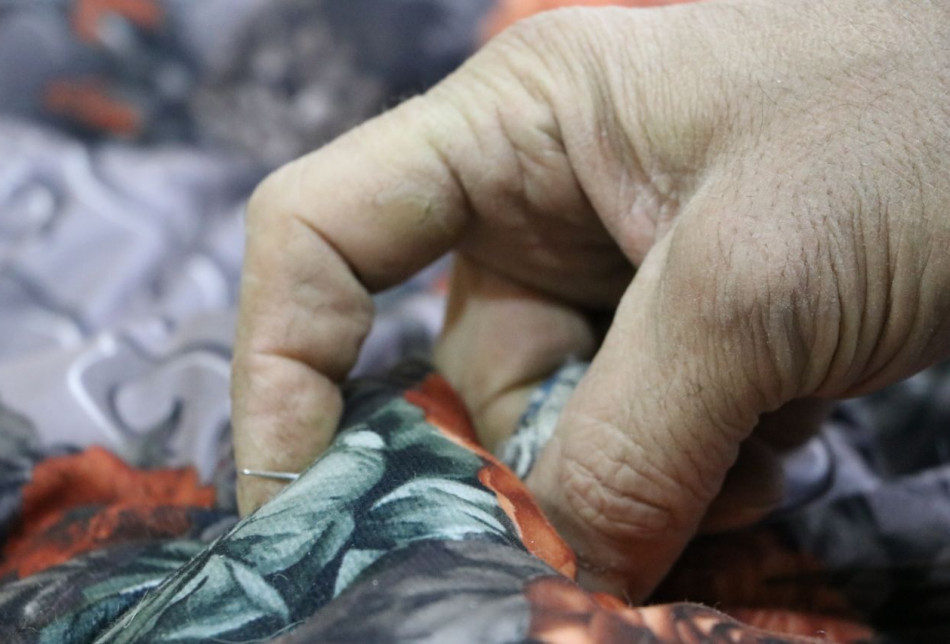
(131, 133)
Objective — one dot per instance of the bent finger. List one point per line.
(501, 339)
(361, 214)
(645, 443)
(365, 212)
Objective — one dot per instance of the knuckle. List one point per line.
(262, 198)
(541, 28)
(748, 290)
(268, 201)
(563, 46)
(733, 273)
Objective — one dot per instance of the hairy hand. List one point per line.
(754, 194)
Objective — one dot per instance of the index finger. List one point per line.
(363, 213)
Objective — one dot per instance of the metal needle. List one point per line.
(277, 476)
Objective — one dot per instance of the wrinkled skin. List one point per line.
(758, 192)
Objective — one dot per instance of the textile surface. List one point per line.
(131, 133)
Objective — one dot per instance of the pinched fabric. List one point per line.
(405, 529)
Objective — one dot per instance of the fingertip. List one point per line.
(626, 533)
(252, 494)
(284, 416)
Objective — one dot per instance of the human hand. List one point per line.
(777, 172)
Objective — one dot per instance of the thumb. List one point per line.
(645, 443)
